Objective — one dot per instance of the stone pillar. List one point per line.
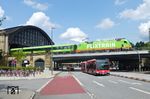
(31, 59)
(48, 62)
(6, 45)
(2, 44)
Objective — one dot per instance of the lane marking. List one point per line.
(129, 82)
(98, 83)
(146, 92)
(124, 81)
(38, 90)
(113, 82)
(136, 83)
(91, 95)
(77, 80)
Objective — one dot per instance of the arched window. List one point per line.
(39, 63)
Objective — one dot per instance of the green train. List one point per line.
(95, 46)
(104, 45)
(55, 49)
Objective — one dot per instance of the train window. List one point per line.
(65, 47)
(125, 41)
(59, 47)
(54, 48)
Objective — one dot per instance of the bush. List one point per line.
(18, 68)
(6, 68)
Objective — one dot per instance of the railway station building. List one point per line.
(23, 36)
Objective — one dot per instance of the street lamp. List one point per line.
(51, 50)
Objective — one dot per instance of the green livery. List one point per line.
(56, 49)
(103, 45)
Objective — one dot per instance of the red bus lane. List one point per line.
(61, 85)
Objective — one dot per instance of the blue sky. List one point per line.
(74, 21)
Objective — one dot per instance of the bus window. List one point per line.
(102, 65)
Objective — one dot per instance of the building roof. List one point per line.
(18, 28)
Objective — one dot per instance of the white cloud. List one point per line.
(41, 20)
(36, 5)
(74, 34)
(105, 24)
(141, 12)
(120, 2)
(144, 28)
(1, 12)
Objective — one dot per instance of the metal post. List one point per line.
(149, 34)
(51, 51)
(139, 58)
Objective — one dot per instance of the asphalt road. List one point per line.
(110, 87)
(78, 85)
(95, 87)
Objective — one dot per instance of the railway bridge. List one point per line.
(135, 57)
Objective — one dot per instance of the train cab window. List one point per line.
(125, 41)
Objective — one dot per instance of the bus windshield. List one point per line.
(102, 65)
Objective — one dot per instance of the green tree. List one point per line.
(1, 20)
(142, 46)
(139, 45)
(19, 56)
(147, 45)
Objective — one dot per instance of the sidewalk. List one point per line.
(24, 94)
(132, 75)
(37, 76)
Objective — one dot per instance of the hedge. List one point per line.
(19, 68)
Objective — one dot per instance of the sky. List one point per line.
(75, 21)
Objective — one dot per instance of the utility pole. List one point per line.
(51, 51)
(149, 34)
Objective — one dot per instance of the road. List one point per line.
(78, 85)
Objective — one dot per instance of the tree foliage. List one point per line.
(142, 45)
(1, 20)
(19, 56)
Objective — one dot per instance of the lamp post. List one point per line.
(51, 50)
(149, 34)
(139, 60)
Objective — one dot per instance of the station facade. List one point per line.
(24, 36)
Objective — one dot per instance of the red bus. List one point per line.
(96, 67)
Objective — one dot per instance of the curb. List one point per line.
(145, 80)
